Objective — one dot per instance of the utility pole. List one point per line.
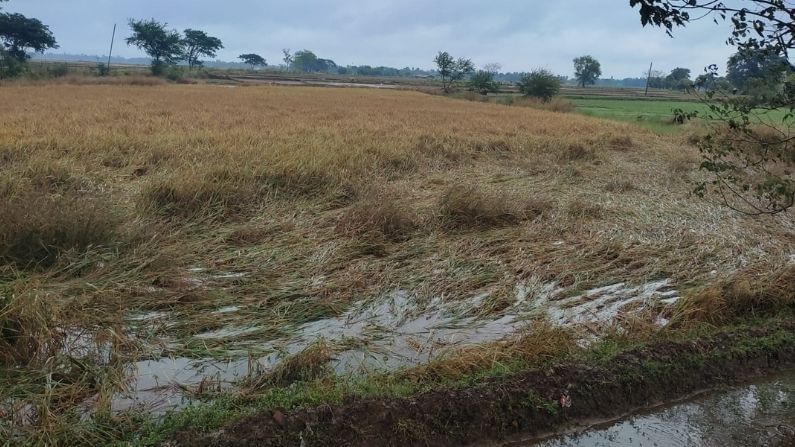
(648, 79)
(110, 53)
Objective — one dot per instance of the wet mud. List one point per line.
(535, 403)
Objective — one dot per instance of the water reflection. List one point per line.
(755, 415)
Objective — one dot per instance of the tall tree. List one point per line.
(679, 79)
(326, 65)
(756, 66)
(587, 70)
(493, 68)
(305, 61)
(253, 60)
(287, 58)
(750, 155)
(19, 34)
(197, 44)
(451, 69)
(162, 45)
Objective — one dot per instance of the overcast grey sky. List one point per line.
(519, 34)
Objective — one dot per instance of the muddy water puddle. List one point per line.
(761, 414)
(393, 331)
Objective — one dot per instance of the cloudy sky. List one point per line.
(519, 34)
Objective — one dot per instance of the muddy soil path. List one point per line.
(529, 404)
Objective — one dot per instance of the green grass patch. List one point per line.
(654, 115)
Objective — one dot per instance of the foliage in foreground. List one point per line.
(749, 155)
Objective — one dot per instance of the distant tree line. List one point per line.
(755, 72)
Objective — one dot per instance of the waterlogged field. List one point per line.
(164, 245)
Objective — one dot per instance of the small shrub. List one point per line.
(57, 70)
(483, 82)
(174, 73)
(159, 68)
(10, 67)
(506, 100)
(103, 69)
(541, 84)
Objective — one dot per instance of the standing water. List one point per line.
(753, 415)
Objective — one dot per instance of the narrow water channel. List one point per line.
(761, 414)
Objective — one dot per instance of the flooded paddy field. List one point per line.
(275, 245)
(385, 334)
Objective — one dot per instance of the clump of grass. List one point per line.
(584, 208)
(377, 216)
(682, 163)
(228, 191)
(310, 364)
(577, 152)
(49, 176)
(27, 327)
(749, 293)
(470, 207)
(251, 234)
(35, 230)
(445, 147)
(493, 146)
(540, 342)
(620, 142)
(619, 186)
(221, 191)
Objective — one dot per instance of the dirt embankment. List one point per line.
(527, 404)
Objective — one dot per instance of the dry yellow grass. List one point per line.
(194, 164)
(285, 187)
